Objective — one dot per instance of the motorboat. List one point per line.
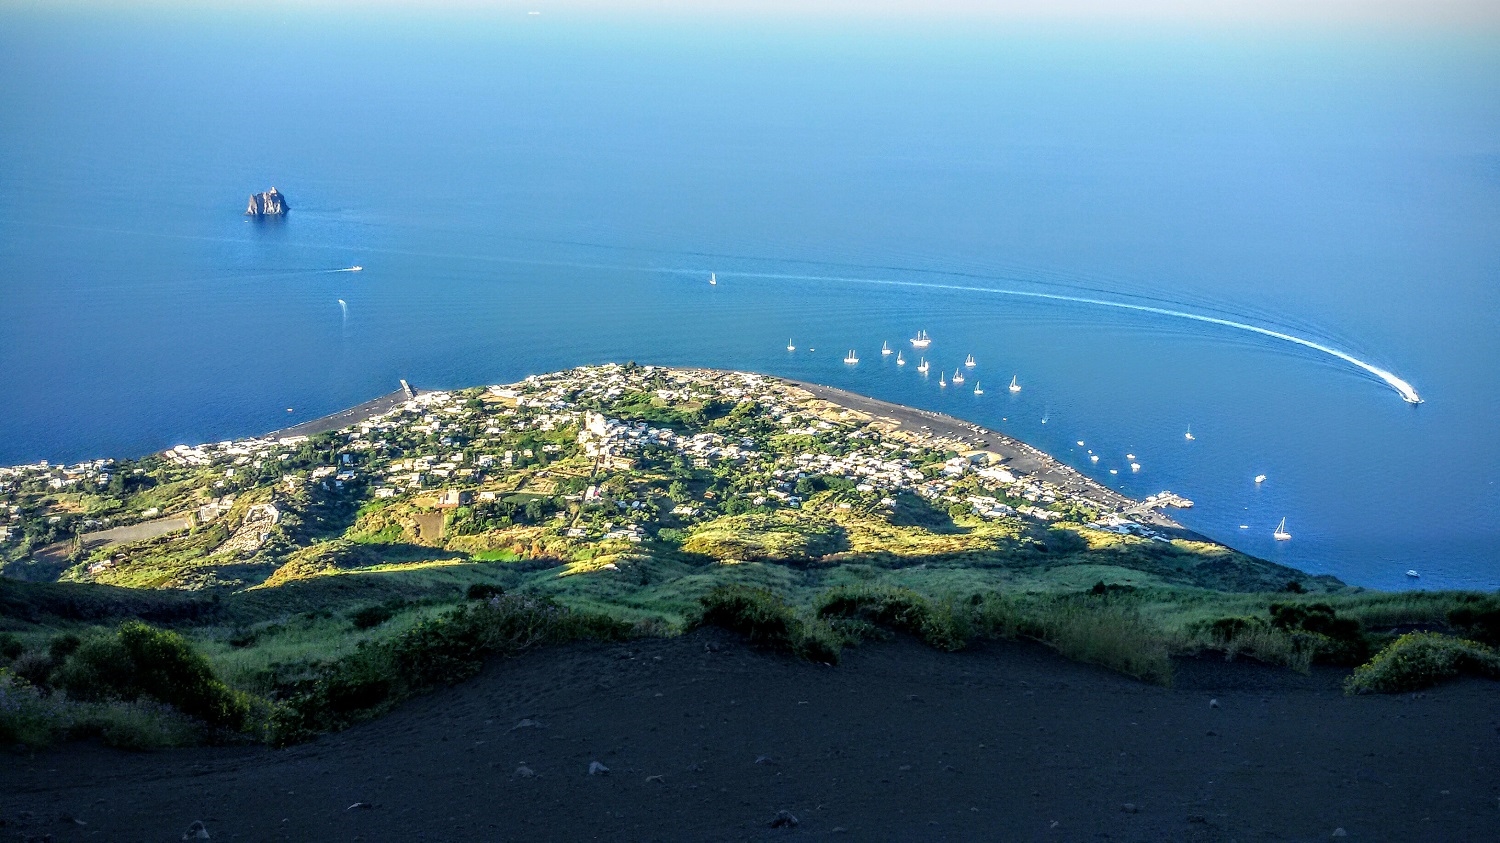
(1412, 572)
(1260, 478)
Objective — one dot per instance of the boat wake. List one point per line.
(1407, 392)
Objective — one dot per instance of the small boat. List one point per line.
(1189, 435)
(1080, 443)
(1260, 478)
(356, 268)
(713, 280)
(1094, 458)
(941, 381)
(1412, 572)
(958, 375)
(1281, 534)
(1130, 457)
(789, 346)
(1114, 471)
(1244, 526)
(885, 349)
(900, 361)
(969, 362)
(921, 340)
(850, 358)
(1014, 387)
(978, 391)
(922, 365)
(1135, 466)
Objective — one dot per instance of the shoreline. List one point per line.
(1024, 458)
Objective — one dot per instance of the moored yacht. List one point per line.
(900, 361)
(922, 365)
(1281, 534)
(1014, 387)
(941, 379)
(885, 349)
(921, 340)
(713, 280)
(977, 390)
(789, 346)
(958, 375)
(851, 358)
(1189, 435)
(969, 361)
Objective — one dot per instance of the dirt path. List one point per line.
(1003, 742)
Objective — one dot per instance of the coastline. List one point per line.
(965, 435)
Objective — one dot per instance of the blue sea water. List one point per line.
(528, 193)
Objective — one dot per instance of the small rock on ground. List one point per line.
(784, 819)
(196, 831)
(597, 769)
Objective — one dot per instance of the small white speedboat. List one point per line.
(1413, 574)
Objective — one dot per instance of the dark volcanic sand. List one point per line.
(1003, 742)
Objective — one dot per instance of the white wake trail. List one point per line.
(1406, 390)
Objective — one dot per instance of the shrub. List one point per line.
(483, 591)
(1317, 628)
(769, 622)
(1419, 660)
(1115, 637)
(63, 646)
(142, 661)
(371, 616)
(11, 647)
(1479, 620)
(940, 625)
(31, 718)
(439, 651)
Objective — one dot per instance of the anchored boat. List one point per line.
(921, 340)
(1281, 534)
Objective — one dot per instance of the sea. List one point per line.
(1106, 215)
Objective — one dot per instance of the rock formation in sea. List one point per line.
(268, 204)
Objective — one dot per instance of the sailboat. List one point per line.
(900, 361)
(713, 280)
(958, 375)
(969, 361)
(941, 379)
(1281, 534)
(1014, 387)
(921, 340)
(789, 346)
(885, 349)
(922, 365)
(977, 390)
(1189, 435)
(850, 358)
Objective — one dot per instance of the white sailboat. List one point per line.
(1014, 387)
(1281, 534)
(850, 358)
(969, 361)
(885, 349)
(1189, 435)
(958, 375)
(977, 390)
(713, 280)
(789, 346)
(921, 340)
(941, 379)
(900, 361)
(922, 365)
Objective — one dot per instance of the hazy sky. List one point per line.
(1443, 14)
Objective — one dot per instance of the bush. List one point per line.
(11, 647)
(769, 622)
(142, 661)
(1318, 629)
(940, 625)
(1479, 620)
(372, 616)
(440, 651)
(32, 718)
(1421, 659)
(483, 591)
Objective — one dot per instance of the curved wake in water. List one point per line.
(1407, 392)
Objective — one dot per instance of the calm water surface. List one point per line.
(528, 194)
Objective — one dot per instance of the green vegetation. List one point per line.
(1422, 659)
(318, 582)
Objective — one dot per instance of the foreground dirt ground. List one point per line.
(706, 739)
